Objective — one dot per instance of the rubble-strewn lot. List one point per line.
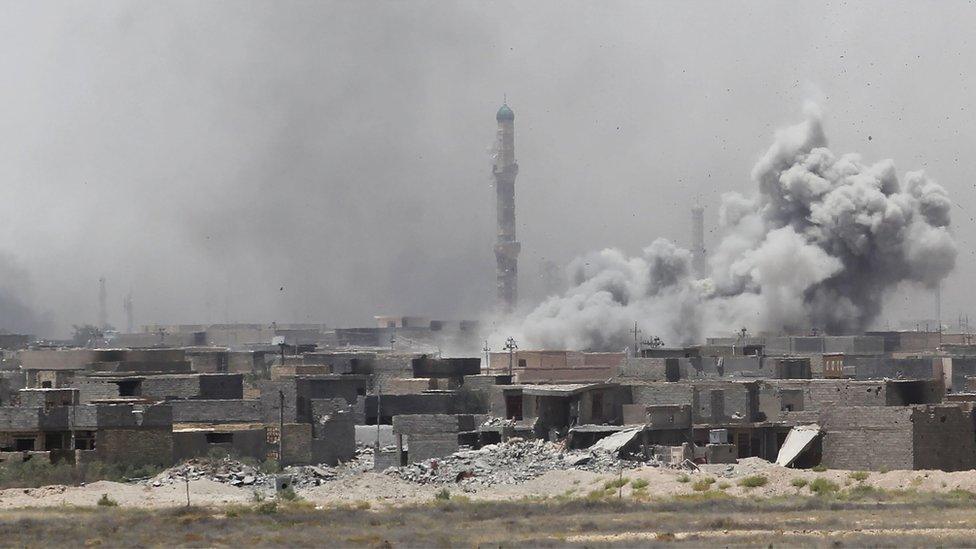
(503, 472)
(236, 473)
(508, 463)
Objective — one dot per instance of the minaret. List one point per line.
(698, 240)
(102, 310)
(507, 247)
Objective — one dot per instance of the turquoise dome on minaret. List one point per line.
(505, 114)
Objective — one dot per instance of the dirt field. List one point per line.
(684, 520)
(750, 503)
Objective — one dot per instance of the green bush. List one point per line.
(615, 483)
(724, 485)
(106, 501)
(703, 484)
(266, 508)
(822, 486)
(820, 468)
(799, 482)
(859, 476)
(288, 494)
(443, 494)
(683, 478)
(639, 483)
(753, 481)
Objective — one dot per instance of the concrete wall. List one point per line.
(944, 438)
(135, 447)
(653, 394)
(868, 437)
(424, 403)
(427, 436)
(407, 386)
(899, 437)
(333, 431)
(445, 367)
(297, 442)
(250, 443)
(725, 402)
(658, 417)
(217, 411)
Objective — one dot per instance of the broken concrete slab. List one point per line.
(797, 440)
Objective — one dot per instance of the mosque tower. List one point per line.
(507, 248)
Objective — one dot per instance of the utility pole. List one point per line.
(379, 392)
(393, 339)
(510, 346)
(636, 332)
(281, 429)
(487, 364)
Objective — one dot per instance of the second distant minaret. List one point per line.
(507, 248)
(698, 262)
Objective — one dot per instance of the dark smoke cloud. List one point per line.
(819, 246)
(18, 313)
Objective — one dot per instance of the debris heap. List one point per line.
(230, 471)
(510, 462)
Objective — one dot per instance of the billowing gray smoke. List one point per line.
(819, 246)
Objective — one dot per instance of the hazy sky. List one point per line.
(328, 161)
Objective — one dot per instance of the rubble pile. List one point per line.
(510, 462)
(236, 473)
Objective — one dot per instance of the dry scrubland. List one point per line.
(874, 518)
(750, 503)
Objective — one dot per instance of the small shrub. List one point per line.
(798, 482)
(443, 494)
(362, 505)
(683, 478)
(269, 466)
(724, 485)
(288, 494)
(257, 496)
(859, 476)
(595, 495)
(639, 483)
(703, 484)
(616, 483)
(106, 501)
(822, 486)
(883, 470)
(266, 508)
(959, 493)
(820, 468)
(753, 481)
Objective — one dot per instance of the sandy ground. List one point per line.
(386, 489)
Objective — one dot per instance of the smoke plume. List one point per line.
(819, 246)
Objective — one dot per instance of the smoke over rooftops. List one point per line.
(818, 246)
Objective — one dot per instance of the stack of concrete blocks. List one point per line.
(427, 435)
